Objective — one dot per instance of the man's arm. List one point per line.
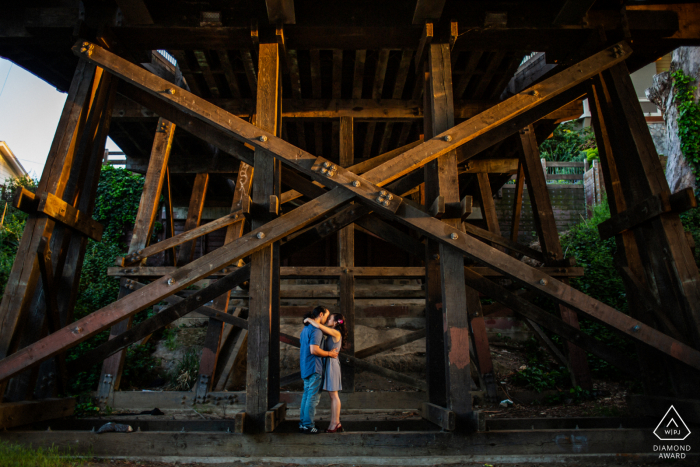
(316, 350)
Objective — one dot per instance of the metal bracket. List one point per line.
(201, 393)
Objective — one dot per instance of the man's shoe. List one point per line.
(311, 431)
(303, 429)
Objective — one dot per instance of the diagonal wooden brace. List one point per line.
(407, 214)
(199, 269)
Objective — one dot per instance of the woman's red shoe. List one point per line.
(338, 429)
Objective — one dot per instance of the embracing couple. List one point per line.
(321, 340)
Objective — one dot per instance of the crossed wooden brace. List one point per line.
(190, 111)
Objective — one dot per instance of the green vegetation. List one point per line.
(20, 456)
(186, 370)
(569, 144)
(688, 120)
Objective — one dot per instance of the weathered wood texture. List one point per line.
(14, 414)
(262, 385)
(194, 216)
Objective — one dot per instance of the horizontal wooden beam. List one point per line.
(391, 344)
(275, 416)
(58, 210)
(308, 272)
(492, 166)
(13, 414)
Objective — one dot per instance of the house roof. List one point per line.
(11, 159)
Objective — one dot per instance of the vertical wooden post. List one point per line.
(441, 180)
(263, 315)
(112, 367)
(517, 203)
(170, 255)
(488, 207)
(346, 259)
(215, 328)
(194, 216)
(549, 241)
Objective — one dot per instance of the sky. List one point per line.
(29, 113)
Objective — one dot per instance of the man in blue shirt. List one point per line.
(311, 361)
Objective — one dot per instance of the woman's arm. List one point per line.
(335, 334)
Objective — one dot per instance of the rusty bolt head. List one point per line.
(454, 236)
(260, 235)
(170, 91)
(447, 138)
(543, 281)
(263, 138)
(356, 183)
(171, 281)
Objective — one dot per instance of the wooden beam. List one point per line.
(215, 328)
(427, 10)
(440, 416)
(402, 212)
(194, 216)
(491, 166)
(391, 344)
(502, 241)
(15, 414)
(378, 86)
(280, 11)
(346, 261)
(517, 204)
(233, 277)
(58, 210)
(275, 416)
(494, 117)
(441, 181)
(549, 240)
(488, 206)
(262, 384)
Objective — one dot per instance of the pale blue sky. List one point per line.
(29, 112)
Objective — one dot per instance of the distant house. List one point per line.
(10, 167)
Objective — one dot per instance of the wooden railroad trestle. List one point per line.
(36, 325)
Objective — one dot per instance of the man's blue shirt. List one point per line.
(310, 363)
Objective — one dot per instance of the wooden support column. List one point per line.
(441, 180)
(669, 269)
(112, 367)
(262, 379)
(549, 241)
(488, 207)
(215, 328)
(194, 216)
(346, 259)
(654, 366)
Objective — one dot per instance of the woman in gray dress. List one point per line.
(336, 331)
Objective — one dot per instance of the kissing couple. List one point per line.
(321, 340)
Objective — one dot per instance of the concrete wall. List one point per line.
(568, 203)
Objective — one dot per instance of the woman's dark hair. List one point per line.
(315, 313)
(341, 327)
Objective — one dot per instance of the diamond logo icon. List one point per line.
(672, 427)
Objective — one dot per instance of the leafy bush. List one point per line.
(688, 120)
(567, 143)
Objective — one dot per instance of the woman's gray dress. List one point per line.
(331, 380)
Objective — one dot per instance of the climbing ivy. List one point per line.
(688, 120)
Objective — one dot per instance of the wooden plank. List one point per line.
(194, 216)
(497, 166)
(262, 385)
(440, 416)
(59, 211)
(316, 92)
(423, 47)
(546, 227)
(346, 261)
(358, 78)
(493, 117)
(13, 414)
(406, 213)
(201, 58)
(275, 416)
